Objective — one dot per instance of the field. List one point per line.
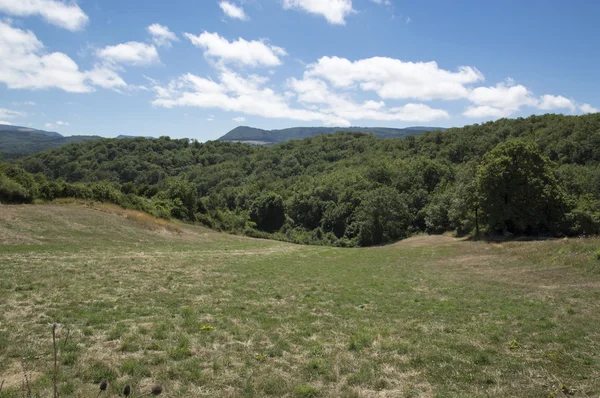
(206, 314)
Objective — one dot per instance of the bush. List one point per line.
(13, 192)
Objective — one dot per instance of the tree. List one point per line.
(382, 217)
(268, 212)
(518, 191)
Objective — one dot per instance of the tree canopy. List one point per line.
(526, 176)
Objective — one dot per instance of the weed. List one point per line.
(360, 340)
(306, 392)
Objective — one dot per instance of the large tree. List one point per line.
(518, 190)
(382, 217)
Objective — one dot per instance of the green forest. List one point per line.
(537, 176)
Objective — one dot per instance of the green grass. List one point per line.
(214, 315)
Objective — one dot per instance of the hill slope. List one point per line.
(346, 189)
(214, 315)
(269, 137)
(16, 141)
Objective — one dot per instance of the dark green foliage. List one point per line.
(268, 212)
(347, 189)
(382, 217)
(518, 191)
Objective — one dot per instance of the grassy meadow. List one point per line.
(206, 314)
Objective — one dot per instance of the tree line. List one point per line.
(525, 176)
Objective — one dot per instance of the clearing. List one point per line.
(213, 315)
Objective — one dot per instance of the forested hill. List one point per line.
(256, 136)
(17, 141)
(539, 175)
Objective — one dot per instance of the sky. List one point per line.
(198, 68)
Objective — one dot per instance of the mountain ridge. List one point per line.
(19, 141)
(256, 136)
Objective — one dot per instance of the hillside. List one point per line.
(256, 136)
(16, 141)
(534, 176)
(206, 314)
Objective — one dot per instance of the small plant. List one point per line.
(260, 357)
(597, 254)
(514, 344)
(206, 328)
(306, 392)
(359, 341)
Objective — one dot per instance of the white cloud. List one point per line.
(161, 35)
(549, 102)
(130, 53)
(316, 102)
(10, 114)
(6, 123)
(313, 91)
(106, 78)
(501, 100)
(587, 108)
(395, 79)
(486, 111)
(24, 64)
(335, 11)
(65, 15)
(503, 96)
(233, 11)
(239, 119)
(210, 118)
(235, 93)
(251, 53)
(57, 124)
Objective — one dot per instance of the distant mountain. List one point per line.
(135, 136)
(17, 141)
(256, 136)
(11, 128)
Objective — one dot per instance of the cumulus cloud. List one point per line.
(550, 102)
(62, 14)
(335, 11)
(338, 91)
(251, 95)
(587, 108)
(501, 100)
(242, 52)
(234, 93)
(24, 64)
(233, 11)
(130, 53)
(313, 91)
(239, 119)
(396, 79)
(161, 35)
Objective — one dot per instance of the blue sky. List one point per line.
(189, 68)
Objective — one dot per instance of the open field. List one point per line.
(214, 315)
